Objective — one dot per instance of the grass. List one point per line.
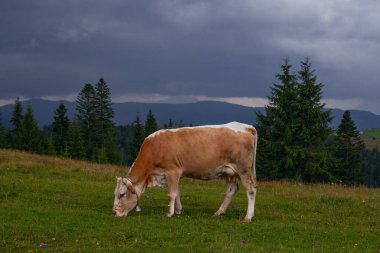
(52, 204)
(371, 138)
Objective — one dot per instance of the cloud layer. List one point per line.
(216, 49)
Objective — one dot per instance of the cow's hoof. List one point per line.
(169, 215)
(178, 211)
(218, 213)
(247, 220)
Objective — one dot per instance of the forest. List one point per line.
(296, 141)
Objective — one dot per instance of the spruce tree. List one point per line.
(16, 133)
(314, 162)
(75, 145)
(136, 139)
(277, 128)
(104, 114)
(60, 129)
(371, 167)
(3, 142)
(150, 124)
(50, 147)
(107, 149)
(349, 151)
(86, 118)
(31, 136)
(294, 129)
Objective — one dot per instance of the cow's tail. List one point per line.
(253, 131)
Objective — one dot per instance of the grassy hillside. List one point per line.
(51, 204)
(371, 138)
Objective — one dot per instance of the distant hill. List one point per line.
(199, 113)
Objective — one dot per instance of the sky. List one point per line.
(179, 51)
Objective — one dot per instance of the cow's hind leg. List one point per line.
(173, 193)
(249, 183)
(231, 189)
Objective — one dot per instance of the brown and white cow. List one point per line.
(204, 152)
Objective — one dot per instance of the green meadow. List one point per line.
(52, 204)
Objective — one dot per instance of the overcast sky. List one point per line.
(184, 51)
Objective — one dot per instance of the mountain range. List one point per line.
(198, 113)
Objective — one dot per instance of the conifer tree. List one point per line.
(314, 162)
(3, 143)
(277, 128)
(61, 125)
(349, 151)
(371, 167)
(150, 124)
(50, 149)
(107, 149)
(136, 139)
(86, 118)
(294, 129)
(16, 133)
(75, 144)
(104, 114)
(31, 136)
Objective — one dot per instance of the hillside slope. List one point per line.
(56, 204)
(200, 113)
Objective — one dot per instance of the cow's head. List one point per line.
(125, 197)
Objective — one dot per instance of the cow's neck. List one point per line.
(138, 178)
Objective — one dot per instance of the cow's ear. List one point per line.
(131, 188)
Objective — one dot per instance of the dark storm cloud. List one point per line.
(186, 48)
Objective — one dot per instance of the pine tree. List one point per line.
(277, 128)
(371, 167)
(3, 142)
(103, 113)
(123, 134)
(294, 129)
(150, 124)
(75, 144)
(16, 133)
(86, 118)
(60, 129)
(31, 135)
(314, 162)
(107, 149)
(50, 149)
(136, 139)
(349, 152)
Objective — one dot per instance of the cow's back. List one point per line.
(199, 151)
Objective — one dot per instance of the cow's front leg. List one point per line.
(173, 193)
(231, 189)
(178, 205)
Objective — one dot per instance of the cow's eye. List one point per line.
(121, 195)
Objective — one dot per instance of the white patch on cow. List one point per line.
(158, 179)
(234, 126)
(130, 169)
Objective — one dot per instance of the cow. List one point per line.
(202, 152)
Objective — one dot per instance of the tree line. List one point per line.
(91, 135)
(296, 141)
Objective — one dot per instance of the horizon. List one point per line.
(180, 103)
